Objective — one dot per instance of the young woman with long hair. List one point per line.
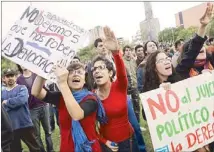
(194, 61)
(149, 48)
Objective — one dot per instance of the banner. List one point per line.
(182, 118)
(39, 39)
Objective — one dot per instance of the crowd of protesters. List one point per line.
(97, 106)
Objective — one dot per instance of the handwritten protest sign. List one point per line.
(182, 118)
(39, 39)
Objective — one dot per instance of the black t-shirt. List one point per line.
(89, 106)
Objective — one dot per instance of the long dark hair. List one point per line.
(19, 68)
(151, 79)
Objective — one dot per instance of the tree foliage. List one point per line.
(5, 64)
(87, 53)
(187, 33)
(210, 29)
(173, 34)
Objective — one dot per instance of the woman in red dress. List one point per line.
(114, 98)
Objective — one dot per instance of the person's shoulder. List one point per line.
(21, 87)
(142, 65)
(20, 77)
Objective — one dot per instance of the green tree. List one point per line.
(167, 35)
(210, 29)
(176, 32)
(173, 34)
(86, 53)
(187, 33)
(5, 63)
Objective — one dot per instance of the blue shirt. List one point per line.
(17, 106)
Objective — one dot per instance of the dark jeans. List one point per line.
(136, 126)
(28, 136)
(53, 111)
(136, 102)
(128, 145)
(41, 114)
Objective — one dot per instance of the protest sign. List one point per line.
(39, 39)
(182, 118)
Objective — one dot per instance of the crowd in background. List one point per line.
(97, 105)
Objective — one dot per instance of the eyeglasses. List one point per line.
(164, 60)
(80, 72)
(101, 67)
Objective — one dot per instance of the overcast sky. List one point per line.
(122, 17)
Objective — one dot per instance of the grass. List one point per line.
(146, 136)
(56, 138)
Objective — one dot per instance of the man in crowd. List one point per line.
(76, 59)
(131, 66)
(15, 101)
(178, 47)
(140, 54)
(39, 110)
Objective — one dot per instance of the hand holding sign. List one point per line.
(165, 86)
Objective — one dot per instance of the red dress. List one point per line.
(118, 127)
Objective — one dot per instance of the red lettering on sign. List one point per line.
(191, 141)
(160, 106)
(200, 135)
(168, 101)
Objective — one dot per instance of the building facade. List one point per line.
(95, 33)
(150, 27)
(191, 16)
